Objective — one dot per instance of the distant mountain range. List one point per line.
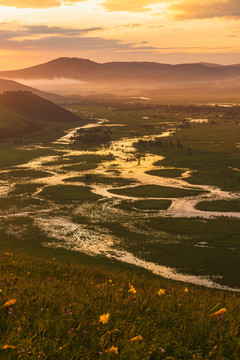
(127, 73)
(24, 113)
(10, 85)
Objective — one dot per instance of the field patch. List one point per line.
(152, 204)
(155, 191)
(18, 174)
(170, 173)
(98, 179)
(219, 205)
(66, 193)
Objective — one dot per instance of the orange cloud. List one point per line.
(188, 9)
(36, 4)
(130, 5)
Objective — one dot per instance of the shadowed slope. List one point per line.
(10, 85)
(24, 113)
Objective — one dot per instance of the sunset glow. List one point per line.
(112, 30)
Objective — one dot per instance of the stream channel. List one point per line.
(91, 238)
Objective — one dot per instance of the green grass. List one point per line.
(26, 189)
(211, 150)
(155, 191)
(152, 204)
(58, 307)
(68, 193)
(24, 114)
(192, 246)
(80, 167)
(219, 205)
(17, 203)
(171, 173)
(18, 174)
(98, 179)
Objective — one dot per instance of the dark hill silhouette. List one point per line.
(24, 113)
(127, 73)
(10, 85)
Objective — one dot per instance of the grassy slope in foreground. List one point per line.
(58, 307)
(23, 113)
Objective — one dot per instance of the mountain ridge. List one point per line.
(132, 73)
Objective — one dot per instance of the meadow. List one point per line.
(74, 190)
(51, 309)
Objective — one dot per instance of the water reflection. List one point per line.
(124, 161)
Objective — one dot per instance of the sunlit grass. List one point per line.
(54, 310)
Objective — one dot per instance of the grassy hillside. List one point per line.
(10, 85)
(55, 310)
(24, 113)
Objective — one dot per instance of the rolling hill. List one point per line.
(127, 73)
(24, 113)
(10, 85)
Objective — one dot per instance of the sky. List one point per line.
(166, 31)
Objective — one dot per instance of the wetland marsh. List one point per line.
(162, 194)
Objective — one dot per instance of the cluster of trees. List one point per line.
(92, 137)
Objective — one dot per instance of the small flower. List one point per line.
(219, 312)
(162, 350)
(132, 289)
(104, 318)
(8, 347)
(136, 338)
(9, 303)
(186, 290)
(161, 292)
(112, 350)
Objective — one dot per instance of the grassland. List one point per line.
(171, 173)
(219, 205)
(155, 191)
(152, 204)
(96, 179)
(23, 113)
(196, 246)
(52, 310)
(58, 304)
(202, 149)
(67, 193)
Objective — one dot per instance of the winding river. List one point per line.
(93, 239)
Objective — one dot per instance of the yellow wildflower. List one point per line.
(110, 280)
(112, 350)
(104, 318)
(139, 337)
(219, 312)
(8, 303)
(161, 292)
(186, 290)
(132, 289)
(8, 347)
